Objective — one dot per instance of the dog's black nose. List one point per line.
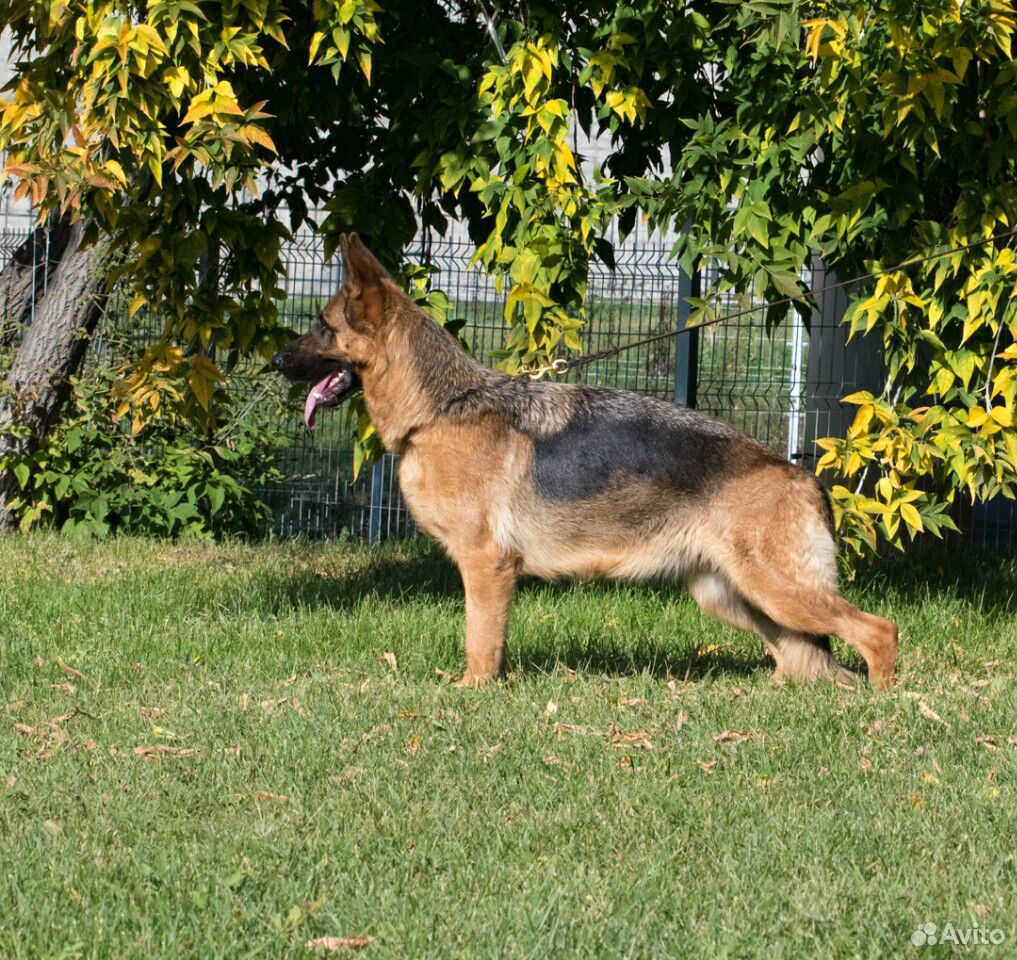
(279, 361)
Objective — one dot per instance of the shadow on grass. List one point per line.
(658, 661)
(971, 576)
(384, 576)
(424, 571)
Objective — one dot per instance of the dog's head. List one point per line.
(341, 344)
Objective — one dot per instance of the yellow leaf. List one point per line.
(118, 171)
(202, 378)
(197, 111)
(911, 516)
(315, 43)
(259, 136)
(961, 59)
(1002, 416)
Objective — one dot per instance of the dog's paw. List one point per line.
(477, 680)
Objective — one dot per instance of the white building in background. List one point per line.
(13, 216)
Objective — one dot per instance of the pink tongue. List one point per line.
(315, 395)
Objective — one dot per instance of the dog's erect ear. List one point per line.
(362, 267)
(364, 282)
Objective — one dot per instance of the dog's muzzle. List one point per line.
(334, 380)
(330, 391)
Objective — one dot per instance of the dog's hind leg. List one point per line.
(802, 656)
(489, 578)
(783, 561)
(798, 656)
(815, 610)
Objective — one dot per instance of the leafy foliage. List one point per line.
(875, 134)
(173, 480)
(545, 221)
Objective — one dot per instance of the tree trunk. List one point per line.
(63, 317)
(24, 279)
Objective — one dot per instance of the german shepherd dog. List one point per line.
(564, 480)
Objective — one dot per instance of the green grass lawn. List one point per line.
(230, 751)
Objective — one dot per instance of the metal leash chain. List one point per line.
(562, 365)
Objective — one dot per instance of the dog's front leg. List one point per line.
(490, 581)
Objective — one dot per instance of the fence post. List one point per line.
(794, 425)
(686, 348)
(377, 489)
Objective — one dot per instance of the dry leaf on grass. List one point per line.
(636, 739)
(577, 728)
(706, 765)
(269, 705)
(70, 671)
(153, 751)
(335, 944)
(52, 740)
(735, 736)
(66, 687)
(926, 711)
(348, 774)
(486, 752)
(50, 734)
(988, 742)
(552, 760)
(390, 659)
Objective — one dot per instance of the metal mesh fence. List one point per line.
(781, 385)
